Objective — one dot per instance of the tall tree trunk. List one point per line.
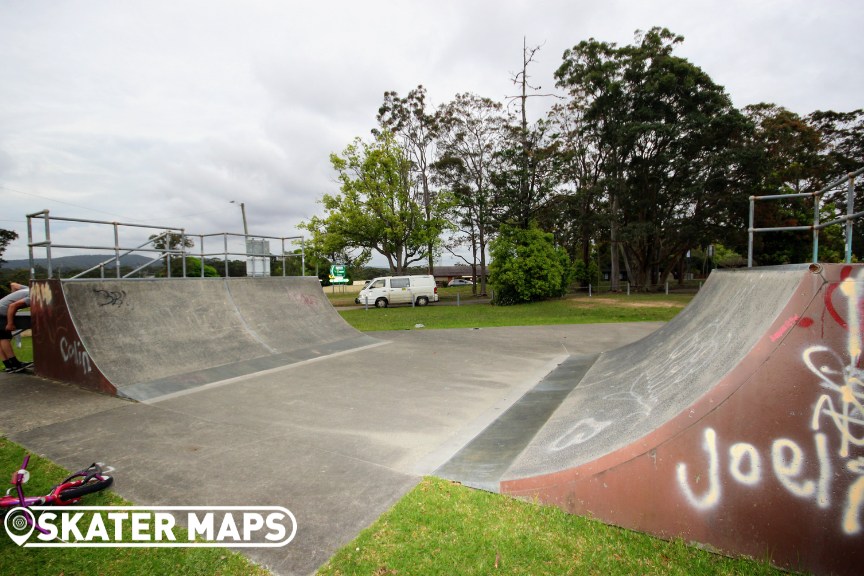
(615, 271)
(626, 264)
(474, 262)
(524, 190)
(586, 234)
(482, 236)
(427, 200)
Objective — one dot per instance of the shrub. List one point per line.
(527, 267)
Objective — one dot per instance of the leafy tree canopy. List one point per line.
(171, 241)
(664, 131)
(377, 208)
(6, 236)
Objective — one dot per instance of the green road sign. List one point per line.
(338, 274)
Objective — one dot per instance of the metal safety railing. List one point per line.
(851, 214)
(168, 244)
(253, 245)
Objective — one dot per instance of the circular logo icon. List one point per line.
(19, 524)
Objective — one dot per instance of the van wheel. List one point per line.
(381, 303)
(422, 301)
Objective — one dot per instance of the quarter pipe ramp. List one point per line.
(739, 425)
(144, 339)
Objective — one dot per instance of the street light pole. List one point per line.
(243, 211)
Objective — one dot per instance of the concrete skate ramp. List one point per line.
(628, 391)
(144, 339)
(739, 425)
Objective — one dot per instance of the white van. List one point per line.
(386, 290)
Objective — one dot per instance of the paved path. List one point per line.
(337, 441)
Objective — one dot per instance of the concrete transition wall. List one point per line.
(147, 338)
(738, 425)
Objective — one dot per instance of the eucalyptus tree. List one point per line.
(6, 237)
(526, 176)
(172, 245)
(472, 129)
(789, 161)
(417, 128)
(842, 135)
(376, 208)
(664, 129)
(792, 149)
(324, 247)
(577, 213)
(525, 173)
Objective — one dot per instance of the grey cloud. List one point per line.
(164, 111)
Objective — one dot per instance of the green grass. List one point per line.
(570, 310)
(25, 353)
(44, 474)
(444, 528)
(462, 293)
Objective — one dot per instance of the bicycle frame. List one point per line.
(55, 496)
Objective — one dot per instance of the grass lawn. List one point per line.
(444, 528)
(44, 474)
(570, 310)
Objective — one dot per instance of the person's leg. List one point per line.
(7, 354)
(6, 351)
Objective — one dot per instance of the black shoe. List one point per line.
(17, 369)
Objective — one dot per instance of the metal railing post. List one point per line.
(225, 241)
(850, 209)
(30, 246)
(750, 233)
(815, 228)
(183, 252)
(116, 249)
(48, 245)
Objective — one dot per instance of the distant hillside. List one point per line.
(82, 262)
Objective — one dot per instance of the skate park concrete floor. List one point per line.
(337, 440)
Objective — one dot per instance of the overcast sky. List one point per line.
(161, 112)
